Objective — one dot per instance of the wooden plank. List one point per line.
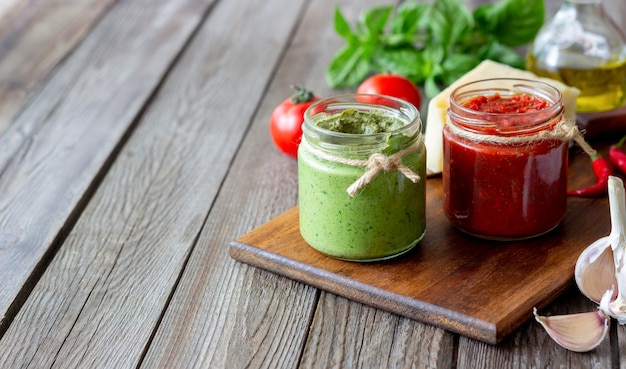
(618, 346)
(349, 334)
(53, 156)
(34, 38)
(103, 295)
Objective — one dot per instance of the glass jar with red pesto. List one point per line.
(505, 165)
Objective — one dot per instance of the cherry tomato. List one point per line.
(391, 85)
(286, 121)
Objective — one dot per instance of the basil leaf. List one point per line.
(406, 61)
(342, 27)
(456, 65)
(434, 54)
(373, 21)
(348, 67)
(410, 16)
(511, 22)
(431, 88)
(450, 21)
(434, 57)
(501, 53)
(397, 40)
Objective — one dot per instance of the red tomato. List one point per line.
(286, 121)
(391, 85)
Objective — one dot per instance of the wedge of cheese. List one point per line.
(438, 106)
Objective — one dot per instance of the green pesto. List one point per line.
(384, 219)
(360, 122)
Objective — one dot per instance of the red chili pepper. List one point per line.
(602, 169)
(617, 156)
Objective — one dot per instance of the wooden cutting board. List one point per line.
(480, 289)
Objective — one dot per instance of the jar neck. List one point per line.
(583, 2)
(585, 7)
(361, 145)
(506, 121)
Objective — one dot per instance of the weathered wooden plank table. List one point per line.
(134, 149)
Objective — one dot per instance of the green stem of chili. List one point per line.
(620, 142)
(617, 156)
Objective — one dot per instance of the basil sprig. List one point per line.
(432, 44)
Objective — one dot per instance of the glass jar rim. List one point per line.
(594, 2)
(395, 107)
(526, 122)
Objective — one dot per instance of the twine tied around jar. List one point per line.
(375, 164)
(564, 130)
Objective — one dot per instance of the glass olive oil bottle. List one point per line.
(583, 48)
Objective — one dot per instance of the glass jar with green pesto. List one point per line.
(362, 177)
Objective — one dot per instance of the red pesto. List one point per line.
(515, 104)
(505, 191)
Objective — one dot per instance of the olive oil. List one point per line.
(601, 88)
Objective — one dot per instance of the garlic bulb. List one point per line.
(600, 274)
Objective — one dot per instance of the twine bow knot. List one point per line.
(374, 165)
(377, 163)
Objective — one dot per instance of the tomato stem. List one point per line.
(302, 95)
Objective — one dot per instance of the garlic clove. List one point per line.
(579, 332)
(595, 270)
